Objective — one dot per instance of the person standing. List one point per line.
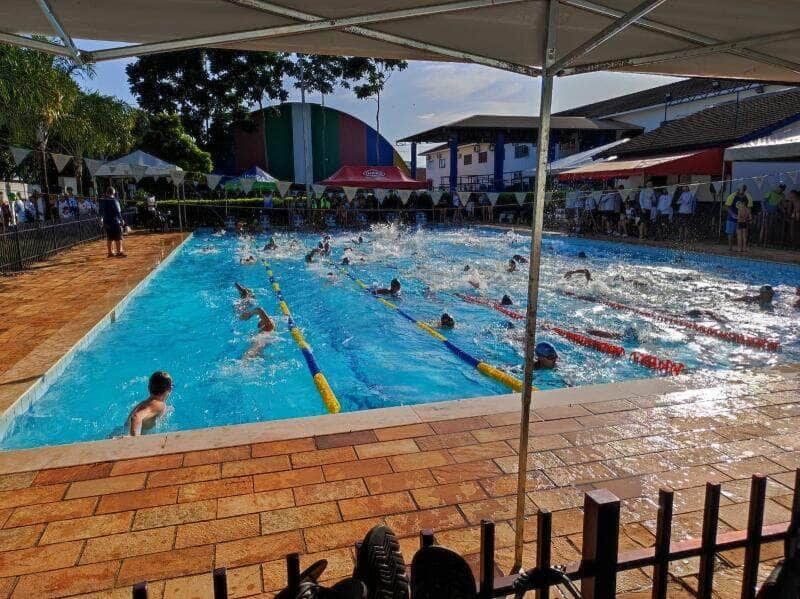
(664, 211)
(19, 210)
(111, 215)
(67, 207)
(647, 196)
(771, 207)
(732, 204)
(6, 217)
(687, 203)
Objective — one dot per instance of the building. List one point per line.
(309, 142)
(469, 159)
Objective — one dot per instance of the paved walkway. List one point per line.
(98, 528)
(50, 308)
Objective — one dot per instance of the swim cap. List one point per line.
(447, 320)
(581, 254)
(506, 301)
(546, 350)
(630, 333)
(766, 289)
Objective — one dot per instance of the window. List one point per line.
(522, 150)
(483, 157)
(467, 159)
(442, 163)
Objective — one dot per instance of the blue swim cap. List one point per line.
(630, 334)
(546, 350)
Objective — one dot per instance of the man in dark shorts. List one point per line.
(111, 215)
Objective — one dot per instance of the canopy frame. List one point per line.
(69, 44)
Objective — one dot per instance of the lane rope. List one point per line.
(324, 389)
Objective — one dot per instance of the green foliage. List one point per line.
(97, 126)
(164, 136)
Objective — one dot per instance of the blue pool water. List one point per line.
(185, 321)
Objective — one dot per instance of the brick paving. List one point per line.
(92, 530)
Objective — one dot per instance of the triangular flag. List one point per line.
(520, 195)
(111, 170)
(793, 176)
(350, 192)
(319, 189)
(247, 183)
(283, 187)
(380, 195)
(92, 165)
(493, 195)
(177, 177)
(138, 171)
(19, 154)
(759, 180)
(435, 196)
(61, 160)
(213, 180)
(405, 195)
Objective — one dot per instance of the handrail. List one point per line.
(325, 391)
(483, 367)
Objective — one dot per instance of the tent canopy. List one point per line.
(261, 180)
(705, 162)
(373, 177)
(581, 158)
(127, 166)
(749, 40)
(783, 144)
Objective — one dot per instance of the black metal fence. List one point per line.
(24, 244)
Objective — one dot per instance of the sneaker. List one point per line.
(380, 566)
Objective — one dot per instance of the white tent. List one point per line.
(132, 165)
(579, 159)
(783, 144)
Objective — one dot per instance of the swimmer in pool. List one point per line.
(546, 356)
(581, 271)
(630, 334)
(310, 255)
(346, 260)
(249, 260)
(445, 322)
(265, 327)
(245, 293)
(583, 256)
(520, 259)
(797, 303)
(512, 266)
(700, 313)
(506, 301)
(144, 415)
(763, 299)
(466, 268)
(394, 289)
(271, 245)
(331, 278)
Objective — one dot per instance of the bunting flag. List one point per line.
(435, 196)
(19, 154)
(111, 170)
(138, 171)
(319, 189)
(520, 195)
(213, 180)
(405, 195)
(493, 195)
(247, 183)
(283, 187)
(380, 195)
(61, 161)
(92, 165)
(793, 176)
(350, 193)
(177, 177)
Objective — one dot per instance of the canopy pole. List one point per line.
(542, 147)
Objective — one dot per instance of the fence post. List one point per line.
(140, 590)
(487, 560)
(705, 582)
(792, 545)
(544, 533)
(663, 535)
(19, 248)
(220, 583)
(293, 571)
(600, 544)
(755, 521)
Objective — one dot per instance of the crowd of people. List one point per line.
(666, 214)
(38, 207)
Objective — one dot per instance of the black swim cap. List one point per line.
(160, 382)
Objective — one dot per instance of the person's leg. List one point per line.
(108, 247)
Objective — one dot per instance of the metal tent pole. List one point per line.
(542, 145)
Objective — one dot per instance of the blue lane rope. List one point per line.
(483, 367)
(325, 391)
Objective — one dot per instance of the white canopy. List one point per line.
(783, 144)
(580, 159)
(718, 38)
(131, 165)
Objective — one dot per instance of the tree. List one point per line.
(36, 91)
(163, 135)
(97, 125)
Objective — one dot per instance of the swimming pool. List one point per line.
(185, 320)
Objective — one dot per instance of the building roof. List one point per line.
(718, 126)
(684, 90)
(484, 128)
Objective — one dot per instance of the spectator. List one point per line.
(111, 214)
(87, 208)
(67, 206)
(6, 217)
(569, 210)
(732, 204)
(771, 207)
(31, 206)
(590, 212)
(664, 213)
(19, 210)
(628, 219)
(608, 204)
(647, 201)
(580, 205)
(687, 204)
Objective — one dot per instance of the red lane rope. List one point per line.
(739, 338)
(656, 363)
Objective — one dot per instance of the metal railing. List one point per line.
(601, 561)
(22, 245)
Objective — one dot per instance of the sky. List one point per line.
(429, 94)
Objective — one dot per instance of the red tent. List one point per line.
(373, 177)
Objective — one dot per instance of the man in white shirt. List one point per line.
(647, 197)
(664, 211)
(19, 210)
(590, 211)
(686, 206)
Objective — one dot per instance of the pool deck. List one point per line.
(91, 519)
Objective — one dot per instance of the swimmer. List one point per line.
(520, 259)
(763, 299)
(346, 261)
(581, 271)
(583, 256)
(310, 255)
(797, 303)
(445, 322)
(512, 266)
(208, 249)
(700, 312)
(475, 284)
(249, 260)
(144, 415)
(357, 241)
(630, 334)
(394, 289)
(332, 278)
(265, 326)
(466, 268)
(271, 245)
(219, 232)
(546, 356)
(245, 293)
(506, 301)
